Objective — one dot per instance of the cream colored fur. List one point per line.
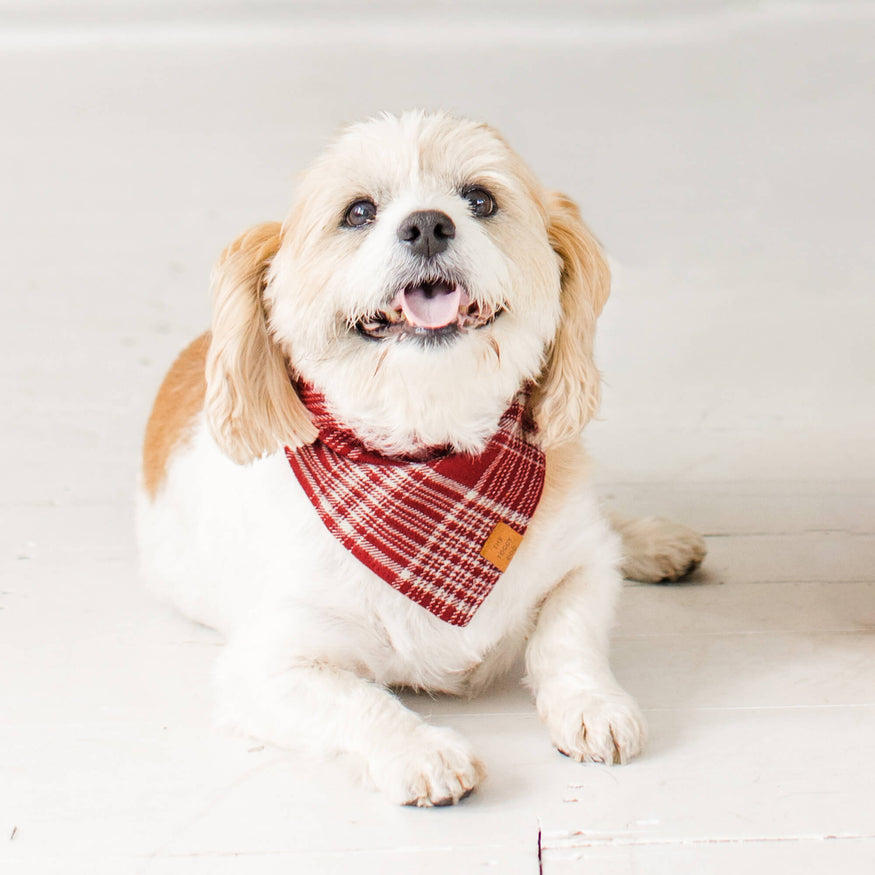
(314, 640)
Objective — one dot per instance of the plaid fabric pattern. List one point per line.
(420, 523)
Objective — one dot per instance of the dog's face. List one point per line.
(421, 278)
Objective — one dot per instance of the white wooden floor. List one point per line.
(725, 159)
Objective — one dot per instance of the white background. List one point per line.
(723, 153)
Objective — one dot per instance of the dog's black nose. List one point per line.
(427, 232)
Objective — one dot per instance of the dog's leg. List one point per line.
(589, 716)
(655, 549)
(326, 710)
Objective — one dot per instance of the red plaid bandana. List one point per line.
(440, 531)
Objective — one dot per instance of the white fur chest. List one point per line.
(243, 550)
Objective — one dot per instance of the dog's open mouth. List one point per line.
(428, 310)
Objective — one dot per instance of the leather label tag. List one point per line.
(500, 546)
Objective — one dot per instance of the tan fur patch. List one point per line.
(568, 391)
(567, 466)
(179, 400)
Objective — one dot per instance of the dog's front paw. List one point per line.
(595, 726)
(656, 549)
(432, 766)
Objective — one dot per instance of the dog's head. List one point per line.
(423, 276)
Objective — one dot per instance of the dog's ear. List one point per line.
(251, 407)
(568, 390)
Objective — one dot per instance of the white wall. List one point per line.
(87, 11)
(724, 160)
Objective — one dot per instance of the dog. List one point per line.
(368, 474)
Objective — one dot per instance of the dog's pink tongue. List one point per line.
(430, 306)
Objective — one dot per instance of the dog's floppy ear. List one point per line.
(567, 392)
(251, 407)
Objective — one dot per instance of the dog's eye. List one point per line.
(360, 213)
(481, 201)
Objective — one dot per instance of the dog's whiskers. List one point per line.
(495, 347)
(380, 361)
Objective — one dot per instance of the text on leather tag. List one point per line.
(500, 546)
